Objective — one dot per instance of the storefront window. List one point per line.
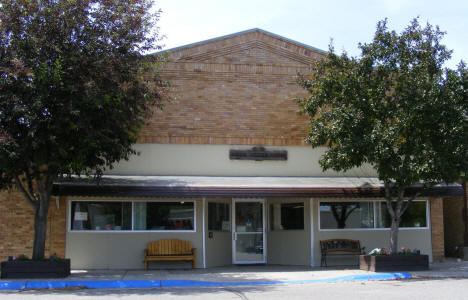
(414, 216)
(113, 215)
(340, 215)
(163, 215)
(101, 215)
(218, 216)
(287, 216)
(369, 214)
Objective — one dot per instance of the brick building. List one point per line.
(224, 165)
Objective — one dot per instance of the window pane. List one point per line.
(383, 217)
(414, 216)
(339, 215)
(101, 215)
(218, 216)
(249, 217)
(287, 216)
(163, 215)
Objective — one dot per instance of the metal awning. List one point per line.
(245, 186)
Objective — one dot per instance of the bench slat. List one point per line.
(169, 249)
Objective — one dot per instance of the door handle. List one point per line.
(234, 236)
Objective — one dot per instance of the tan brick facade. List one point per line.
(237, 90)
(17, 226)
(437, 228)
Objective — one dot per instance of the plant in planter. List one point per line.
(23, 267)
(382, 260)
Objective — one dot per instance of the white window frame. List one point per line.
(374, 201)
(132, 208)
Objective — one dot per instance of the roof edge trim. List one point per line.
(239, 33)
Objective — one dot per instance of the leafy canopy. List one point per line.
(395, 107)
(75, 87)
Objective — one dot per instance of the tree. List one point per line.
(75, 88)
(395, 107)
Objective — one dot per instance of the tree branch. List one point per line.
(49, 183)
(407, 204)
(40, 186)
(30, 185)
(352, 209)
(335, 213)
(388, 199)
(25, 193)
(399, 203)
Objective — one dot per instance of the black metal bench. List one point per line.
(339, 247)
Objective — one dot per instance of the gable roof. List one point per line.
(243, 33)
(253, 46)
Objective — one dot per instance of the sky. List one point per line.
(312, 22)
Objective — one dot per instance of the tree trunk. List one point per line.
(40, 227)
(395, 213)
(394, 235)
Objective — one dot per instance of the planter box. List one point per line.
(36, 269)
(386, 263)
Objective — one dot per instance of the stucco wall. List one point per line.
(124, 250)
(213, 160)
(284, 247)
(290, 247)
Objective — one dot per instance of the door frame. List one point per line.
(234, 233)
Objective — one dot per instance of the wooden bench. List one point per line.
(339, 247)
(170, 250)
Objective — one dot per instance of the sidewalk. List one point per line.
(229, 276)
(450, 268)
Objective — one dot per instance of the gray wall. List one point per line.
(124, 250)
(370, 238)
(289, 247)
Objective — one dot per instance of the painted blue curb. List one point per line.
(110, 284)
(100, 284)
(12, 285)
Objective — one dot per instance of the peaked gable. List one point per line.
(249, 52)
(253, 46)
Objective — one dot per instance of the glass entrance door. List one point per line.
(249, 245)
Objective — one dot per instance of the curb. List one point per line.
(111, 284)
